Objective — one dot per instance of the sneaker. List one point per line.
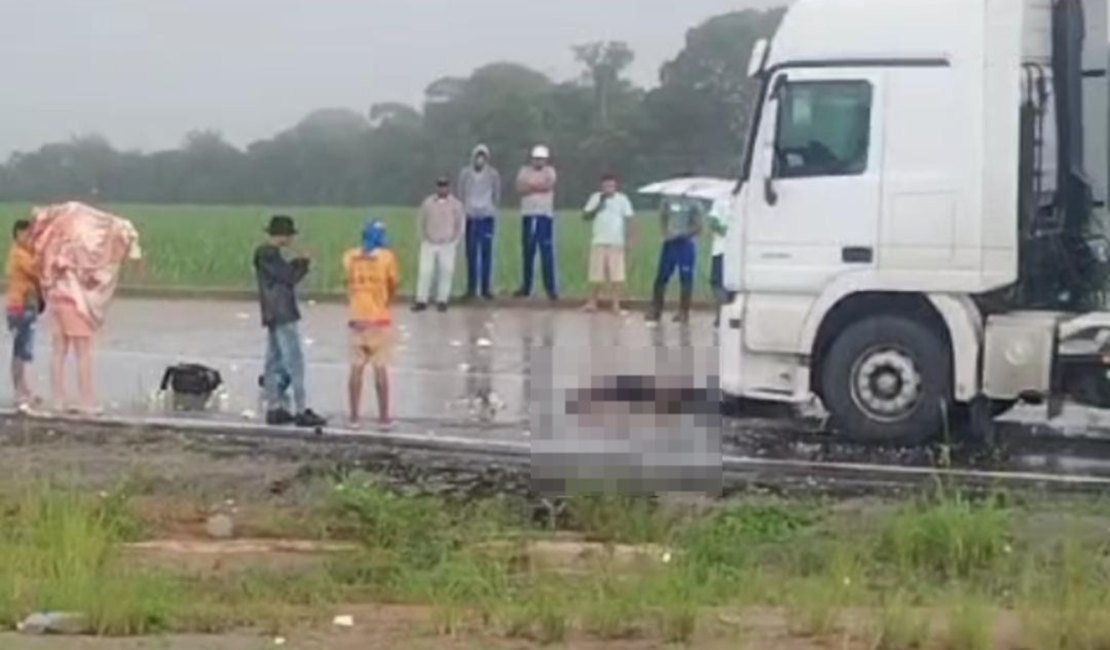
(488, 296)
(682, 317)
(310, 420)
(279, 417)
(419, 307)
(442, 308)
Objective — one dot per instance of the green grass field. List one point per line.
(211, 247)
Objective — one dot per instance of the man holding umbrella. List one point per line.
(682, 218)
(684, 206)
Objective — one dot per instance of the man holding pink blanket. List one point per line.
(80, 251)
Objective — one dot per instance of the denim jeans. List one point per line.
(284, 356)
(480, 231)
(22, 327)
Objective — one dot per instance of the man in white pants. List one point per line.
(442, 223)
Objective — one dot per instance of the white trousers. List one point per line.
(437, 267)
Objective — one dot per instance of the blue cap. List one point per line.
(374, 236)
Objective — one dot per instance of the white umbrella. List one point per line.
(706, 188)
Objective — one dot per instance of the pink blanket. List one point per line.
(80, 251)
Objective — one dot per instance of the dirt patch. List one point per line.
(206, 557)
(238, 547)
(571, 554)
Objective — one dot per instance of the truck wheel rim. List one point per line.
(886, 384)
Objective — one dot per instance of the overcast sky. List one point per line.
(145, 72)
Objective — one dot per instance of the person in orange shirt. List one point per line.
(373, 278)
(24, 305)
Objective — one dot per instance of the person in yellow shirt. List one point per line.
(373, 278)
(24, 305)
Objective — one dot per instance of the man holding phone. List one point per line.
(610, 211)
(278, 278)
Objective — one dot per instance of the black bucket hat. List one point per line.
(281, 226)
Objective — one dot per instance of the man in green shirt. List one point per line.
(682, 220)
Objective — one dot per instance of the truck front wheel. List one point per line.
(887, 380)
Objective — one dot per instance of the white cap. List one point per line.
(541, 152)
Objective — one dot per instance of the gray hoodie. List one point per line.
(480, 191)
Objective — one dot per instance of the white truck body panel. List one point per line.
(936, 202)
(936, 214)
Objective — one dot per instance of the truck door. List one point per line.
(813, 203)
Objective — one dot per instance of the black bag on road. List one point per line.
(191, 379)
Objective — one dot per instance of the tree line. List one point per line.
(695, 120)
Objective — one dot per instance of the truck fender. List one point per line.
(960, 315)
(842, 287)
(965, 331)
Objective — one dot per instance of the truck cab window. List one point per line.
(824, 129)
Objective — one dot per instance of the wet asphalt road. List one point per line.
(446, 362)
(443, 366)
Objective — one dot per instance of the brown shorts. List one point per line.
(607, 264)
(372, 345)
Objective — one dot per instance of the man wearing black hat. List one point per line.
(277, 295)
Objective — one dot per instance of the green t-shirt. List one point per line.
(682, 216)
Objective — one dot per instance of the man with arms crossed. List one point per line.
(536, 185)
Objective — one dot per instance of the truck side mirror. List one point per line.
(770, 194)
(758, 58)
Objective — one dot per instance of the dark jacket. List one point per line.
(277, 282)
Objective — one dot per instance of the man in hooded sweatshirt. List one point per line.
(479, 188)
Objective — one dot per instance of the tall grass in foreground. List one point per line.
(58, 552)
(934, 572)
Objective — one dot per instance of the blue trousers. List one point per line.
(479, 255)
(538, 236)
(284, 361)
(679, 254)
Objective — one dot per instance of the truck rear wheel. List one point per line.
(887, 380)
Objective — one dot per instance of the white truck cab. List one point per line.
(912, 234)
